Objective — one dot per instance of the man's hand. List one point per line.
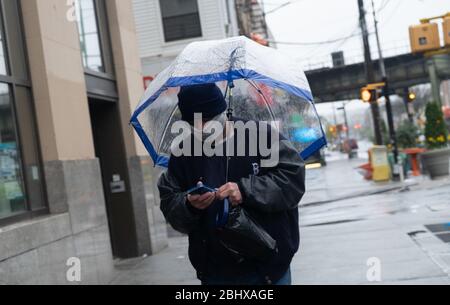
(232, 192)
(201, 202)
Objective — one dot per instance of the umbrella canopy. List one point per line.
(268, 86)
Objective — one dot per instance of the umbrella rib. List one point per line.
(166, 128)
(264, 98)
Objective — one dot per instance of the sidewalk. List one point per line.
(340, 179)
(339, 237)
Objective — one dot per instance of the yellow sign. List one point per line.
(375, 86)
(380, 164)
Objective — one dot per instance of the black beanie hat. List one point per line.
(206, 99)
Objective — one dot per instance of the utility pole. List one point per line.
(392, 133)
(370, 74)
(334, 115)
(347, 128)
(380, 51)
(336, 125)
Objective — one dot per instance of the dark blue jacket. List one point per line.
(271, 196)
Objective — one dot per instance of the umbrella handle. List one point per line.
(230, 117)
(230, 100)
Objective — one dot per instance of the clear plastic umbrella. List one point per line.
(267, 86)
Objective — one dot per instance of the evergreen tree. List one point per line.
(407, 135)
(435, 129)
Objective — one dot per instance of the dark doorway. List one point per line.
(109, 149)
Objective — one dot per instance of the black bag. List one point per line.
(245, 238)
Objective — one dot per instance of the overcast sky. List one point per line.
(310, 21)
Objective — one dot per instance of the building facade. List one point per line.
(165, 27)
(76, 186)
(251, 18)
(252, 21)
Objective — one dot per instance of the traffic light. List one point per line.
(425, 37)
(369, 95)
(411, 97)
(366, 95)
(372, 92)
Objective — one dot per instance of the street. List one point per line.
(99, 97)
(357, 233)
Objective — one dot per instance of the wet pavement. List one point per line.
(339, 238)
(346, 225)
(341, 179)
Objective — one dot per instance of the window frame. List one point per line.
(101, 19)
(102, 84)
(174, 41)
(13, 82)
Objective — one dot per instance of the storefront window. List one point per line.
(12, 194)
(21, 183)
(89, 35)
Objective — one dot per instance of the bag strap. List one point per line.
(222, 217)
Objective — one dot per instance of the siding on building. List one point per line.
(155, 53)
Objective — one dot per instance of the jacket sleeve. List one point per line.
(279, 188)
(181, 216)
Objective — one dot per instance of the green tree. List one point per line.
(407, 134)
(435, 129)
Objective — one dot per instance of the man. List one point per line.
(270, 195)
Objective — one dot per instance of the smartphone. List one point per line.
(201, 189)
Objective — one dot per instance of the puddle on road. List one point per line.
(439, 228)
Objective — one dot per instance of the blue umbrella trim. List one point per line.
(224, 76)
(313, 148)
(214, 78)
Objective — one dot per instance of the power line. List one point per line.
(394, 11)
(282, 6)
(383, 5)
(342, 40)
(319, 48)
(318, 42)
(356, 32)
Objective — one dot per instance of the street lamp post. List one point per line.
(370, 74)
(347, 126)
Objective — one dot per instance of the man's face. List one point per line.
(200, 124)
(205, 127)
